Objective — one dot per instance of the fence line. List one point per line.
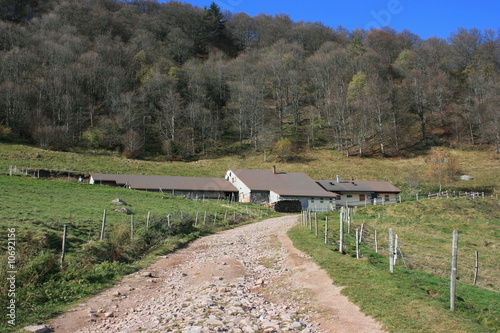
(447, 194)
(470, 269)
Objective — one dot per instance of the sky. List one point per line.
(425, 18)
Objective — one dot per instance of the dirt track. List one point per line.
(248, 279)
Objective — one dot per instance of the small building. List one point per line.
(265, 187)
(361, 193)
(190, 187)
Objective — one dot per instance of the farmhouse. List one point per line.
(261, 187)
(360, 193)
(264, 186)
(190, 187)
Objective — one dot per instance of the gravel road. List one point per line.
(248, 279)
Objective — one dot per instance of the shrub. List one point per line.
(5, 132)
(287, 206)
(284, 149)
(133, 145)
(51, 137)
(93, 137)
(95, 252)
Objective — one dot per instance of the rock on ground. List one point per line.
(248, 279)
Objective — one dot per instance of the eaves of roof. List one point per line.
(143, 182)
(358, 186)
(282, 183)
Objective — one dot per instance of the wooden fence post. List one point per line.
(361, 232)
(196, 220)
(147, 220)
(341, 216)
(453, 277)
(326, 230)
(476, 268)
(396, 249)
(103, 225)
(391, 251)
(376, 242)
(205, 218)
(132, 227)
(215, 218)
(341, 235)
(63, 252)
(348, 217)
(357, 243)
(316, 224)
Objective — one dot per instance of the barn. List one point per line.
(268, 186)
(361, 193)
(190, 187)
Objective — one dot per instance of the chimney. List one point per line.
(338, 179)
(274, 169)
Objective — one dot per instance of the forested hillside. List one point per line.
(169, 77)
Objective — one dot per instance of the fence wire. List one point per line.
(409, 254)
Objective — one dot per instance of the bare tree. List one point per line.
(133, 145)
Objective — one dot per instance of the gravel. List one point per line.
(233, 281)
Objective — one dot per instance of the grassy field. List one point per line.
(425, 230)
(406, 173)
(415, 298)
(38, 209)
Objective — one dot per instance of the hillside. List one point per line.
(409, 174)
(171, 78)
(416, 296)
(33, 215)
(38, 209)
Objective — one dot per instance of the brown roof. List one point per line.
(282, 183)
(358, 186)
(141, 182)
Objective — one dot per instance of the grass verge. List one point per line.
(409, 300)
(38, 208)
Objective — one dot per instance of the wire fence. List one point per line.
(446, 194)
(432, 255)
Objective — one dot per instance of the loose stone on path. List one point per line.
(234, 281)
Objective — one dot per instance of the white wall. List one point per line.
(315, 204)
(244, 191)
(353, 199)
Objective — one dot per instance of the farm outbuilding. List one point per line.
(262, 187)
(269, 186)
(361, 193)
(190, 187)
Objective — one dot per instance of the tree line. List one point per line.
(140, 76)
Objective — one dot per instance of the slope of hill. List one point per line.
(416, 297)
(410, 174)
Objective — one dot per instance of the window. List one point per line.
(349, 195)
(233, 180)
(387, 197)
(361, 197)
